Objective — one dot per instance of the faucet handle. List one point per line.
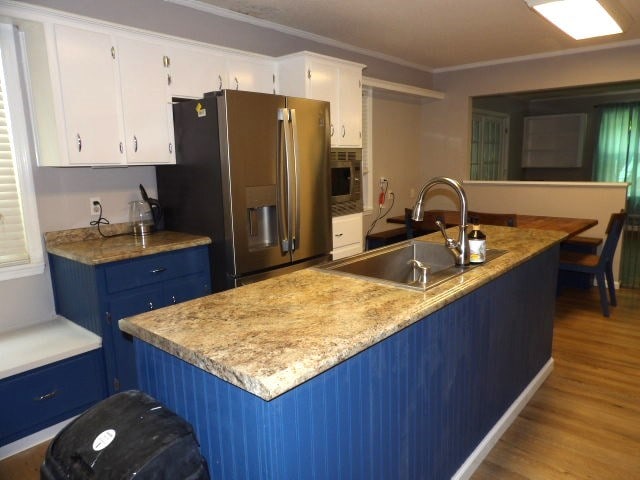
(425, 270)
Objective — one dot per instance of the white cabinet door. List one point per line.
(350, 134)
(347, 235)
(88, 86)
(145, 102)
(336, 81)
(253, 75)
(322, 79)
(195, 72)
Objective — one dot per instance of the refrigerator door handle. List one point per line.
(282, 180)
(294, 201)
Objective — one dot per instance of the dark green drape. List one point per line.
(617, 160)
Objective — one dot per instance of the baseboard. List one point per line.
(32, 440)
(488, 442)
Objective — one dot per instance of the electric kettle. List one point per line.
(145, 216)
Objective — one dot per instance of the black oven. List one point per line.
(346, 181)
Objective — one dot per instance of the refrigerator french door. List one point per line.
(252, 173)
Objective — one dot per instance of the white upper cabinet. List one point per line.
(105, 96)
(337, 81)
(91, 131)
(146, 102)
(102, 95)
(251, 74)
(194, 72)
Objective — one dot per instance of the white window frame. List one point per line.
(16, 72)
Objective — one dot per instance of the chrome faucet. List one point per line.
(458, 248)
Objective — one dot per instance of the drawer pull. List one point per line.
(173, 299)
(338, 235)
(46, 396)
(150, 305)
(158, 270)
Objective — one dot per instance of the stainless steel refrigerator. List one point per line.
(252, 172)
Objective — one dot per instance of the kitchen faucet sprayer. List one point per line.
(458, 248)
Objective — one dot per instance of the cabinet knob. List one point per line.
(79, 142)
(46, 396)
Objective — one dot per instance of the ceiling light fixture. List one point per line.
(578, 18)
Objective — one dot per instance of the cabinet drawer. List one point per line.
(47, 395)
(347, 230)
(155, 268)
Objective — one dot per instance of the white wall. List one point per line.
(396, 148)
(578, 200)
(447, 126)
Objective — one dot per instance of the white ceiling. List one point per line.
(428, 34)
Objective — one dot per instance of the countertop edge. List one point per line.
(272, 385)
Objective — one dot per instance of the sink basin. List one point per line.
(389, 264)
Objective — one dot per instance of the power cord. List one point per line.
(382, 197)
(102, 221)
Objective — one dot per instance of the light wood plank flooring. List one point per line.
(583, 423)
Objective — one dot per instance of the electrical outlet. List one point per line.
(95, 208)
(383, 181)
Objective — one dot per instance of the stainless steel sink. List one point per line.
(391, 265)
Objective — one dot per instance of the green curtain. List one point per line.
(617, 160)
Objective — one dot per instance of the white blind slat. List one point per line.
(13, 242)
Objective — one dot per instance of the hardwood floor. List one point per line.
(583, 423)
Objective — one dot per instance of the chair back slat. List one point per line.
(614, 229)
(502, 219)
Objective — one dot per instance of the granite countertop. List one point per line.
(87, 246)
(271, 336)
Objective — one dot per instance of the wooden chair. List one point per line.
(502, 219)
(599, 265)
(426, 225)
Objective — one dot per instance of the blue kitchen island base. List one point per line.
(414, 406)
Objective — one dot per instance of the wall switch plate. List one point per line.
(95, 209)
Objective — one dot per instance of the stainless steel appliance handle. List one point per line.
(295, 179)
(281, 180)
(289, 179)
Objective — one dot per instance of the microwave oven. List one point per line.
(346, 181)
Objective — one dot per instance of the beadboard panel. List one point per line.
(413, 406)
(76, 292)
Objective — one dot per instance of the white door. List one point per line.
(88, 84)
(145, 103)
(350, 134)
(194, 73)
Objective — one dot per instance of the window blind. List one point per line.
(13, 243)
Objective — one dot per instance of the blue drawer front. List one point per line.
(47, 395)
(155, 268)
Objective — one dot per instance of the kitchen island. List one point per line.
(316, 375)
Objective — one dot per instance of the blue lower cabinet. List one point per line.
(47, 395)
(97, 296)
